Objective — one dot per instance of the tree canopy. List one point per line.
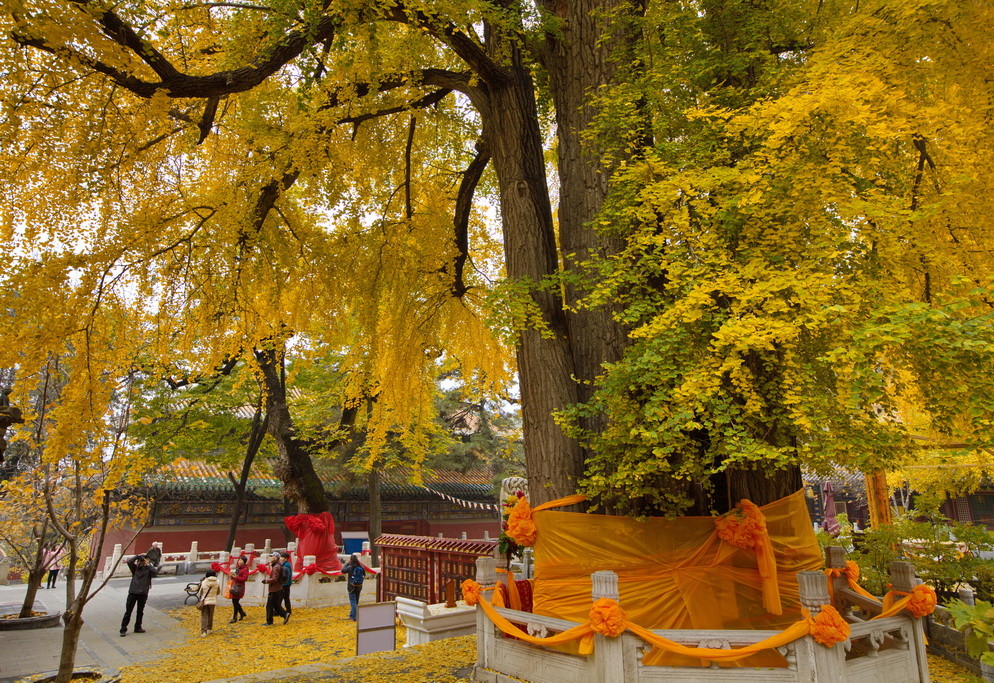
(769, 230)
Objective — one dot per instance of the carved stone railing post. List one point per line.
(604, 584)
(967, 596)
(115, 557)
(486, 576)
(609, 654)
(903, 579)
(902, 576)
(486, 570)
(812, 588)
(835, 558)
(828, 662)
(267, 549)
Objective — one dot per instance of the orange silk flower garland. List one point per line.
(471, 591)
(922, 601)
(828, 627)
(743, 527)
(607, 617)
(520, 525)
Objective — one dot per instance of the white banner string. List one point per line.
(464, 503)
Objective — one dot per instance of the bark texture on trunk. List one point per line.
(579, 62)
(545, 363)
(294, 467)
(34, 583)
(70, 641)
(763, 486)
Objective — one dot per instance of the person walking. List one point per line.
(142, 573)
(51, 558)
(209, 588)
(287, 580)
(239, 575)
(355, 575)
(275, 581)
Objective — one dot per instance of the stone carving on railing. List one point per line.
(890, 648)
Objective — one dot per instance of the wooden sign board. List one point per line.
(376, 627)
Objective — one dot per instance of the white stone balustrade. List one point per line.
(427, 623)
(891, 649)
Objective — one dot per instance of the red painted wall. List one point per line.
(177, 539)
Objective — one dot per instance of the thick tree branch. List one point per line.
(464, 46)
(175, 83)
(423, 103)
(207, 121)
(408, 149)
(225, 369)
(464, 205)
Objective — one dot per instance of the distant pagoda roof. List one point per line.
(196, 479)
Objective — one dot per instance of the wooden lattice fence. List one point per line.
(418, 567)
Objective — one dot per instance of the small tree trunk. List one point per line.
(34, 582)
(294, 467)
(257, 432)
(375, 514)
(236, 513)
(70, 641)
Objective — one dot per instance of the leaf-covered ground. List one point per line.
(313, 636)
(322, 636)
(943, 671)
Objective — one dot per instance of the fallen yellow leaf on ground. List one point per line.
(326, 637)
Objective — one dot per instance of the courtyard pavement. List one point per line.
(23, 653)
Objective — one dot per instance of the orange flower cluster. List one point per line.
(471, 591)
(743, 527)
(922, 601)
(828, 627)
(607, 617)
(520, 525)
(850, 571)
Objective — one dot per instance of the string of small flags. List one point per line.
(471, 504)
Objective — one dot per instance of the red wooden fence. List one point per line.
(419, 566)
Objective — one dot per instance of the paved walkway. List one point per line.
(23, 653)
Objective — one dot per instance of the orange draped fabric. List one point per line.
(581, 635)
(674, 573)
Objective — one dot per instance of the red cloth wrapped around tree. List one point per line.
(315, 536)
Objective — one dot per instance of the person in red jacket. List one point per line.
(239, 575)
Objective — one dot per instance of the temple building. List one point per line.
(194, 501)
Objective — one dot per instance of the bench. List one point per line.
(192, 589)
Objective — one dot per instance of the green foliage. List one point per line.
(205, 421)
(792, 287)
(930, 543)
(977, 623)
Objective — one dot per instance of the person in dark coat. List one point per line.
(275, 582)
(355, 575)
(142, 572)
(287, 580)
